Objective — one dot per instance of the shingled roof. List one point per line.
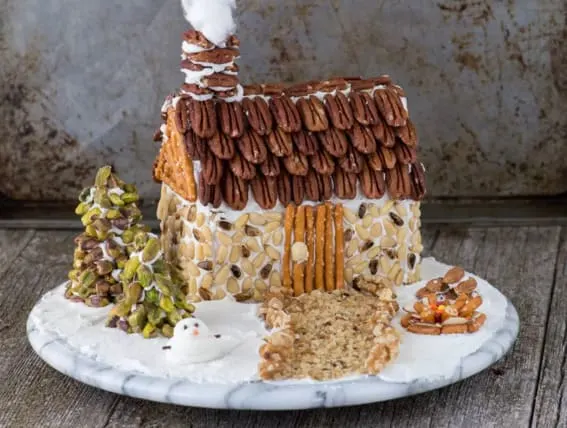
(310, 141)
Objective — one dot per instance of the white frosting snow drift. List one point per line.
(193, 343)
(213, 18)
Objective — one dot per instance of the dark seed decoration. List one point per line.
(245, 252)
(166, 348)
(398, 221)
(196, 234)
(356, 283)
(348, 235)
(373, 266)
(113, 322)
(217, 336)
(206, 265)
(265, 271)
(411, 260)
(362, 210)
(251, 230)
(391, 253)
(366, 245)
(236, 271)
(223, 224)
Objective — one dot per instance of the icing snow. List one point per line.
(213, 18)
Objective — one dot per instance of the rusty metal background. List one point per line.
(81, 83)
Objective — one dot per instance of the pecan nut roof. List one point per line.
(330, 138)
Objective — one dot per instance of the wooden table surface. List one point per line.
(526, 388)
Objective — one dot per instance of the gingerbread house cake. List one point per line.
(308, 186)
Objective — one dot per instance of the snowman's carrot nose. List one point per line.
(195, 332)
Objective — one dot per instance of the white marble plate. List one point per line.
(398, 380)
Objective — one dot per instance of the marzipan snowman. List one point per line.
(193, 343)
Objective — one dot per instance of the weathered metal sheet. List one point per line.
(82, 85)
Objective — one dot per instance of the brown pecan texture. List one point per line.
(271, 166)
(296, 164)
(234, 191)
(203, 118)
(209, 194)
(297, 189)
(258, 114)
(407, 134)
(323, 162)
(362, 138)
(352, 160)
(181, 116)
(197, 38)
(279, 142)
(222, 146)
(312, 186)
(219, 80)
(345, 184)
(306, 142)
(325, 184)
(364, 108)
(313, 114)
(383, 133)
(338, 109)
(264, 190)
(212, 168)
(391, 107)
(387, 157)
(285, 113)
(285, 193)
(231, 118)
(405, 154)
(252, 147)
(372, 182)
(334, 141)
(195, 146)
(215, 56)
(241, 167)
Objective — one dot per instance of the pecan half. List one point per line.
(285, 113)
(234, 191)
(297, 189)
(209, 194)
(391, 107)
(231, 118)
(158, 135)
(296, 163)
(387, 157)
(233, 41)
(264, 190)
(272, 89)
(279, 143)
(339, 110)
(375, 162)
(405, 154)
(299, 90)
(271, 166)
(407, 134)
(312, 186)
(345, 184)
(192, 88)
(313, 113)
(215, 56)
(197, 38)
(352, 160)
(195, 146)
(362, 139)
(211, 167)
(203, 118)
(384, 133)
(322, 162)
(364, 108)
(306, 142)
(241, 167)
(219, 80)
(258, 114)
(334, 141)
(361, 85)
(222, 146)
(285, 193)
(325, 184)
(372, 182)
(394, 182)
(181, 117)
(252, 147)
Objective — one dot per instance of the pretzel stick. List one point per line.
(288, 225)
(309, 220)
(339, 247)
(320, 248)
(329, 268)
(299, 266)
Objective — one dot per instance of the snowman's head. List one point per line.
(191, 327)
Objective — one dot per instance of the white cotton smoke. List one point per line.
(213, 18)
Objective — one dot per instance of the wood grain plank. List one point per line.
(33, 394)
(12, 242)
(551, 399)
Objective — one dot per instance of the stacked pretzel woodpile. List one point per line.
(305, 142)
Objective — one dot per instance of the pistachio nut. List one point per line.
(102, 176)
(87, 278)
(129, 197)
(121, 309)
(103, 267)
(164, 283)
(133, 293)
(156, 315)
(138, 317)
(116, 200)
(167, 330)
(152, 296)
(173, 317)
(144, 275)
(87, 218)
(82, 208)
(113, 214)
(149, 331)
(130, 269)
(151, 250)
